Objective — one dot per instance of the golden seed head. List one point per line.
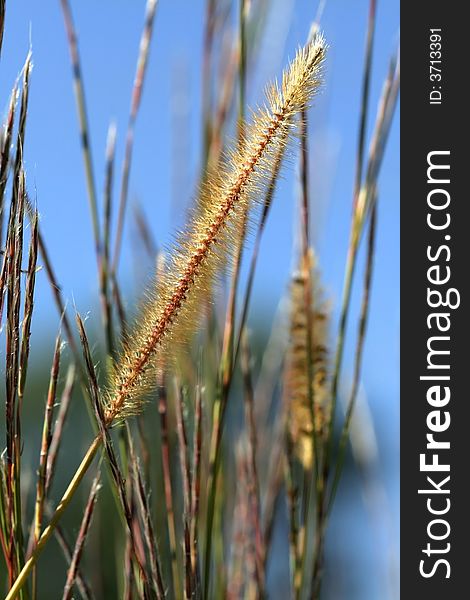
(171, 314)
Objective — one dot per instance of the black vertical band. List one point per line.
(435, 258)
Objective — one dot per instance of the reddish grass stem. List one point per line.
(135, 104)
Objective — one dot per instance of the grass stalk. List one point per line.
(59, 425)
(28, 307)
(54, 283)
(149, 534)
(43, 457)
(116, 473)
(81, 539)
(364, 109)
(106, 304)
(46, 440)
(196, 489)
(167, 485)
(82, 585)
(88, 163)
(358, 357)
(256, 248)
(5, 152)
(274, 484)
(186, 485)
(292, 499)
(207, 101)
(142, 61)
(253, 477)
(83, 121)
(2, 23)
(237, 579)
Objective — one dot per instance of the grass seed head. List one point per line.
(172, 311)
(297, 376)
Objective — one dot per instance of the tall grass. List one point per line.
(197, 516)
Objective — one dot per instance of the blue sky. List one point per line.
(109, 33)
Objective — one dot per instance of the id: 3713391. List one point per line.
(435, 66)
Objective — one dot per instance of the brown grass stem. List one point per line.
(102, 263)
(83, 120)
(28, 306)
(54, 284)
(116, 473)
(141, 69)
(81, 539)
(149, 533)
(59, 425)
(207, 101)
(44, 453)
(162, 401)
(2, 22)
(46, 440)
(82, 584)
(5, 151)
(252, 468)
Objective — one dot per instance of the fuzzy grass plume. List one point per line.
(171, 314)
(297, 379)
